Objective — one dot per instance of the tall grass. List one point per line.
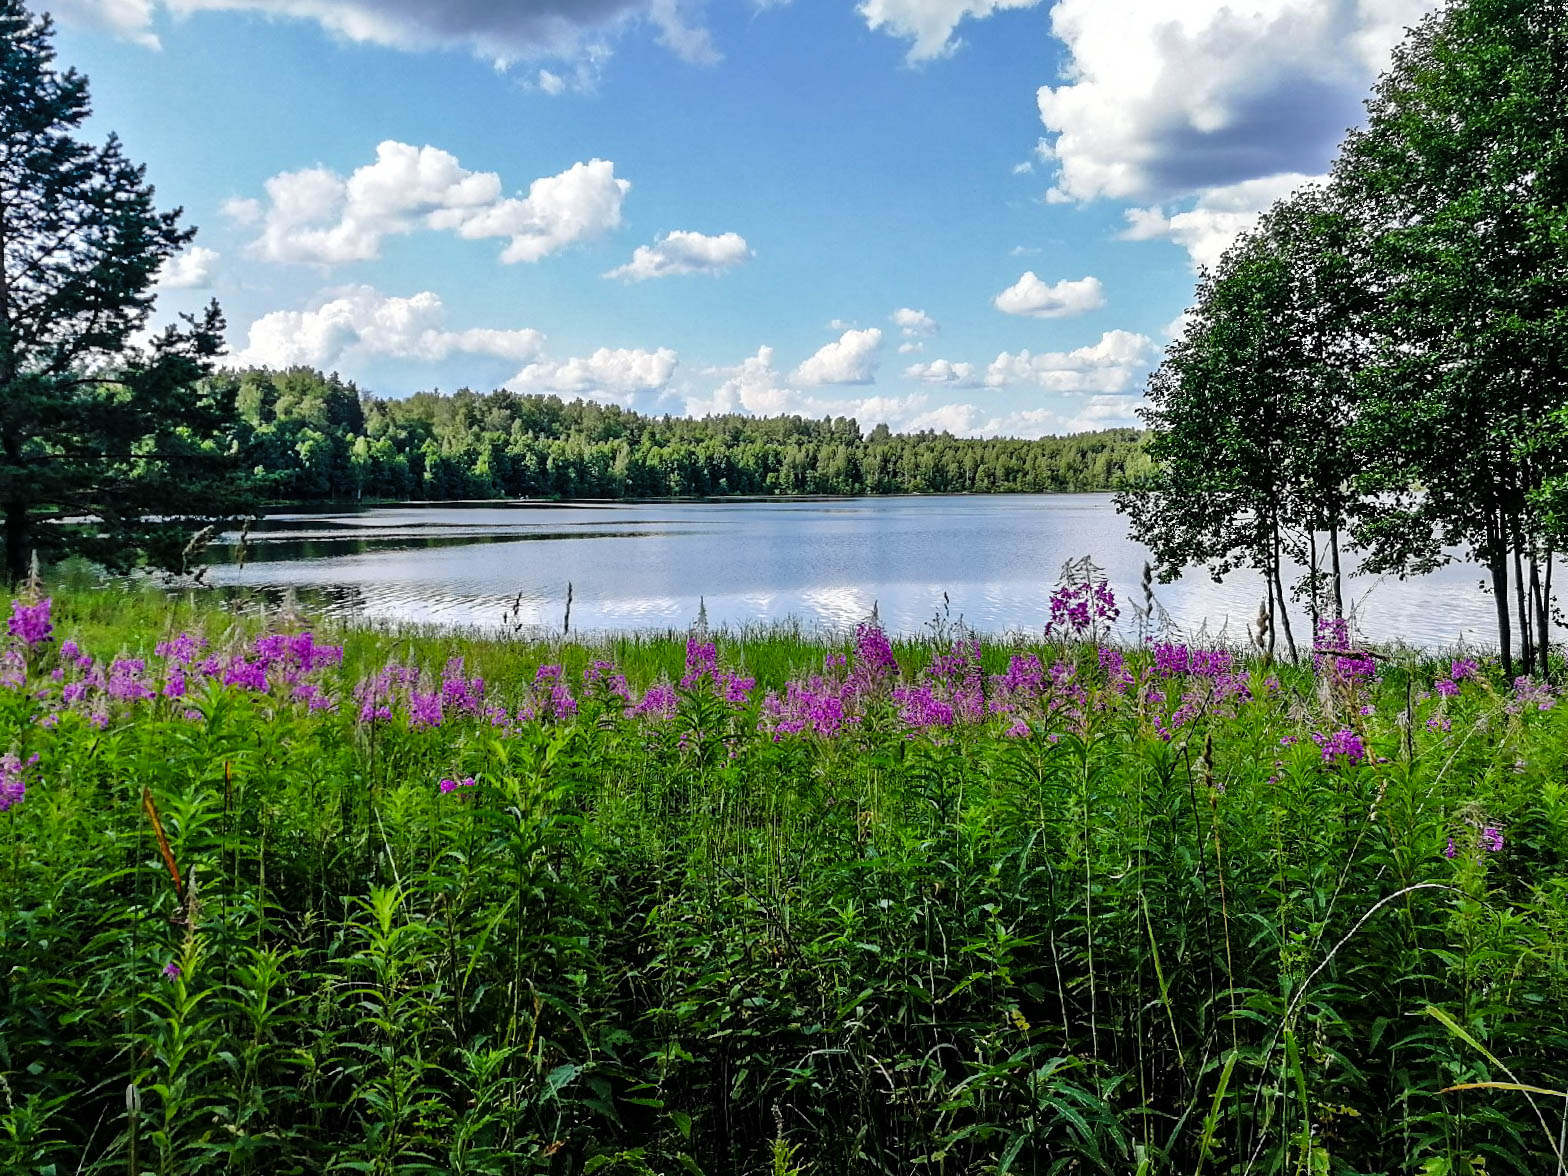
(686, 945)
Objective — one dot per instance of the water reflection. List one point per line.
(824, 563)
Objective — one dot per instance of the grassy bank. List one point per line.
(273, 904)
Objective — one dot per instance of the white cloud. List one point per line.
(359, 323)
(910, 347)
(942, 371)
(243, 210)
(1207, 229)
(689, 42)
(914, 324)
(612, 374)
(550, 83)
(1162, 98)
(580, 203)
(129, 19)
(315, 215)
(851, 359)
(839, 324)
(1024, 168)
(684, 252)
(930, 24)
(755, 386)
(190, 269)
(1031, 296)
(500, 31)
(1112, 365)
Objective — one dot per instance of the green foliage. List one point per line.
(100, 439)
(689, 947)
(319, 437)
(1386, 358)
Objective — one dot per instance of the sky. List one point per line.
(983, 216)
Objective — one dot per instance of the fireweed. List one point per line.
(971, 905)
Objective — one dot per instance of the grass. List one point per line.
(683, 945)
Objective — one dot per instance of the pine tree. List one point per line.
(109, 448)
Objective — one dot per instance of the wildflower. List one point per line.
(171, 970)
(1019, 730)
(1446, 687)
(1491, 839)
(658, 702)
(1463, 668)
(1368, 710)
(182, 650)
(13, 783)
(1343, 743)
(424, 710)
(1450, 849)
(31, 623)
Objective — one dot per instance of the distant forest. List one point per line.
(315, 437)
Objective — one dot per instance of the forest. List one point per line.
(316, 437)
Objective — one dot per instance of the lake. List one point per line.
(820, 562)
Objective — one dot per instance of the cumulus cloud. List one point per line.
(359, 323)
(500, 31)
(755, 386)
(929, 24)
(1207, 229)
(616, 374)
(1030, 296)
(684, 252)
(942, 371)
(1162, 98)
(914, 324)
(315, 215)
(851, 359)
(190, 269)
(1113, 365)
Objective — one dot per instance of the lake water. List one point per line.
(822, 563)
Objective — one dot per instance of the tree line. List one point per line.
(316, 437)
(1381, 366)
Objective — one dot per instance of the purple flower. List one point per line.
(1343, 743)
(31, 623)
(171, 970)
(1491, 839)
(182, 650)
(1446, 687)
(1450, 849)
(13, 782)
(659, 702)
(424, 710)
(1463, 668)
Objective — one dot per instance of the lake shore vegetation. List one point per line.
(286, 898)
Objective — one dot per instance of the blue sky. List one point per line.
(977, 215)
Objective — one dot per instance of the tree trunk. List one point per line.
(1268, 582)
(1525, 641)
(1284, 601)
(1312, 549)
(1497, 564)
(1333, 546)
(1540, 593)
